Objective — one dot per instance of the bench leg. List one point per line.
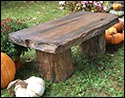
(93, 46)
(55, 67)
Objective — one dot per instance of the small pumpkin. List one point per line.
(119, 13)
(119, 26)
(116, 6)
(31, 87)
(8, 70)
(115, 38)
(111, 30)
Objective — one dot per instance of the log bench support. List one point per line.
(94, 46)
(55, 67)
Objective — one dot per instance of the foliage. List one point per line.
(92, 6)
(9, 25)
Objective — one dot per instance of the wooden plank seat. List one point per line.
(53, 41)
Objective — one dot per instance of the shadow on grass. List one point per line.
(110, 48)
(29, 66)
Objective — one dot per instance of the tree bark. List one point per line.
(55, 67)
(94, 46)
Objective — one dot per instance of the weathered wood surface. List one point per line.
(55, 67)
(59, 35)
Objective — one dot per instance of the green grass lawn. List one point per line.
(32, 13)
(102, 76)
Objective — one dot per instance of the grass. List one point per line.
(102, 76)
(32, 13)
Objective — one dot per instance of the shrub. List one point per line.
(92, 6)
(7, 26)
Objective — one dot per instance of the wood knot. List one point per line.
(101, 19)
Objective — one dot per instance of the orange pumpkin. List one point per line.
(116, 6)
(8, 70)
(123, 34)
(119, 26)
(111, 30)
(115, 38)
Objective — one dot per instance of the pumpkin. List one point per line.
(31, 87)
(110, 30)
(119, 13)
(8, 70)
(116, 6)
(119, 26)
(123, 34)
(115, 38)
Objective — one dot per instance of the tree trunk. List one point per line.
(94, 46)
(55, 67)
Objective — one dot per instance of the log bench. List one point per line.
(53, 41)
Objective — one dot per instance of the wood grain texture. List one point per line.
(61, 34)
